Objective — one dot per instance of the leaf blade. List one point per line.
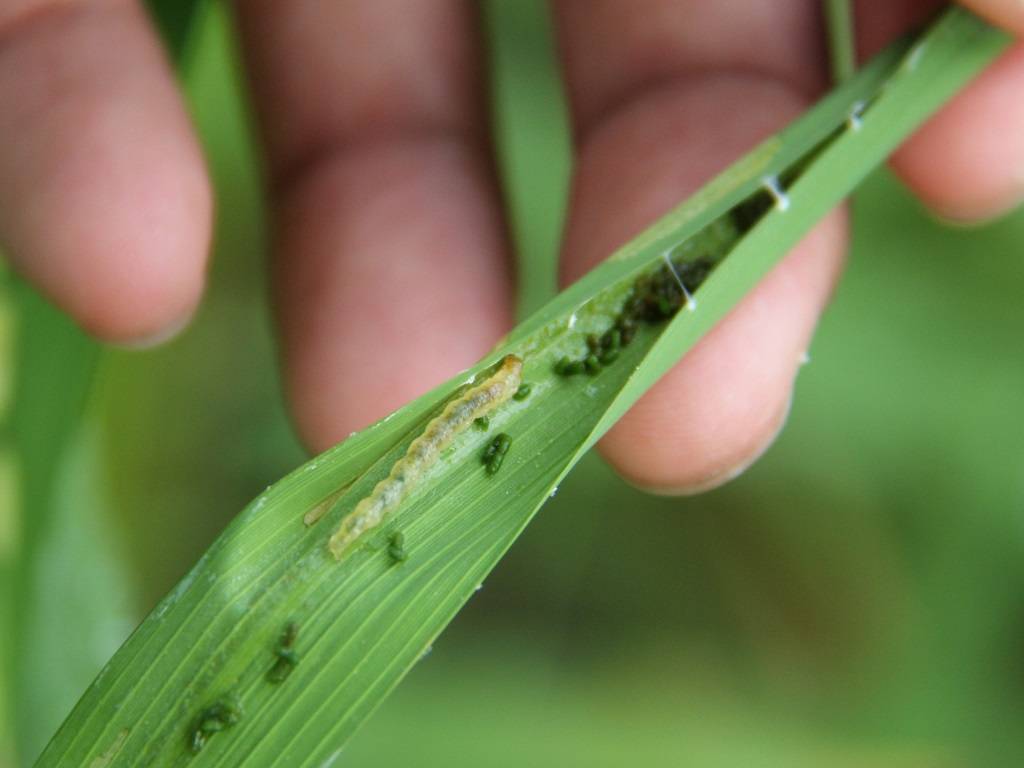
(364, 622)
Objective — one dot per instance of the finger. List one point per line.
(104, 202)
(712, 416)
(967, 162)
(1005, 13)
(390, 265)
(664, 95)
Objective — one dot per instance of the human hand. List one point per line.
(375, 126)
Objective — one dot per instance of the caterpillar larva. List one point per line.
(457, 416)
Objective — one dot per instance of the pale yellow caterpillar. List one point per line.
(425, 450)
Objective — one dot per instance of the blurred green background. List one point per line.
(855, 599)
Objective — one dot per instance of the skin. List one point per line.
(358, 135)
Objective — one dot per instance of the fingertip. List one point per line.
(723, 405)
(1008, 14)
(967, 163)
(136, 282)
(128, 265)
(104, 202)
(669, 480)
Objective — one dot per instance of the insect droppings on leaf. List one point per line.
(494, 454)
(287, 657)
(396, 547)
(568, 367)
(219, 716)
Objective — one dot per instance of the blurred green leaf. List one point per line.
(177, 21)
(841, 38)
(532, 144)
(48, 369)
(52, 372)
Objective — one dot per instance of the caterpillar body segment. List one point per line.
(425, 450)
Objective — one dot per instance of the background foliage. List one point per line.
(856, 598)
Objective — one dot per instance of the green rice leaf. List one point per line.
(270, 651)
